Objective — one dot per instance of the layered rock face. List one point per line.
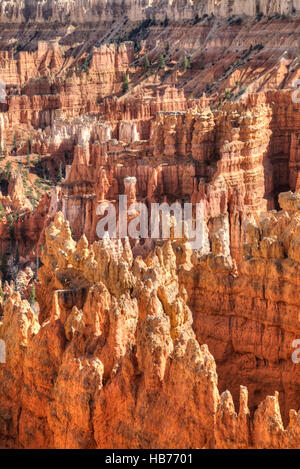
(145, 343)
(91, 11)
(133, 337)
(228, 159)
(251, 320)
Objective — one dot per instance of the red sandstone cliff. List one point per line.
(128, 335)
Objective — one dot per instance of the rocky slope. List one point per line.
(164, 102)
(90, 11)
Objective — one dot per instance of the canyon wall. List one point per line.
(90, 11)
(229, 159)
(144, 343)
(120, 327)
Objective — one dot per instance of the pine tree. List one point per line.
(8, 169)
(11, 222)
(3, 266)
(60, 172)
(161, 61)
(12, 269)
(185, 63)
(85, 65)
(29, 146)
(15, 143)
(125, 85)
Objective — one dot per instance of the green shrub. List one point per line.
(161, 62)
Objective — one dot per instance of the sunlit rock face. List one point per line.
(90, 11)
(148, 343)
(115, 325)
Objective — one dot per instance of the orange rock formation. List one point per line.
(107, 341)
(120, 326)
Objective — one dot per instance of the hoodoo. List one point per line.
(149, 225)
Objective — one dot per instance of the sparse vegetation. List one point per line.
(166, 22)
(29, 146)
(125, 84)
(11, 218)
(186, 63)
(86, 64)
(8, 169)
(15, 143)
(197, 19)
(3, 266)
(259, 47)
(161, 61)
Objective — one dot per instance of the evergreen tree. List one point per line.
(11, 222)
(12, 269)
(60, 172)
(186, 63)
(15, 143)
(161, 61)
(3, 266)
(8, 169)
(125, 85)
(85, 65)
(28, 146)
